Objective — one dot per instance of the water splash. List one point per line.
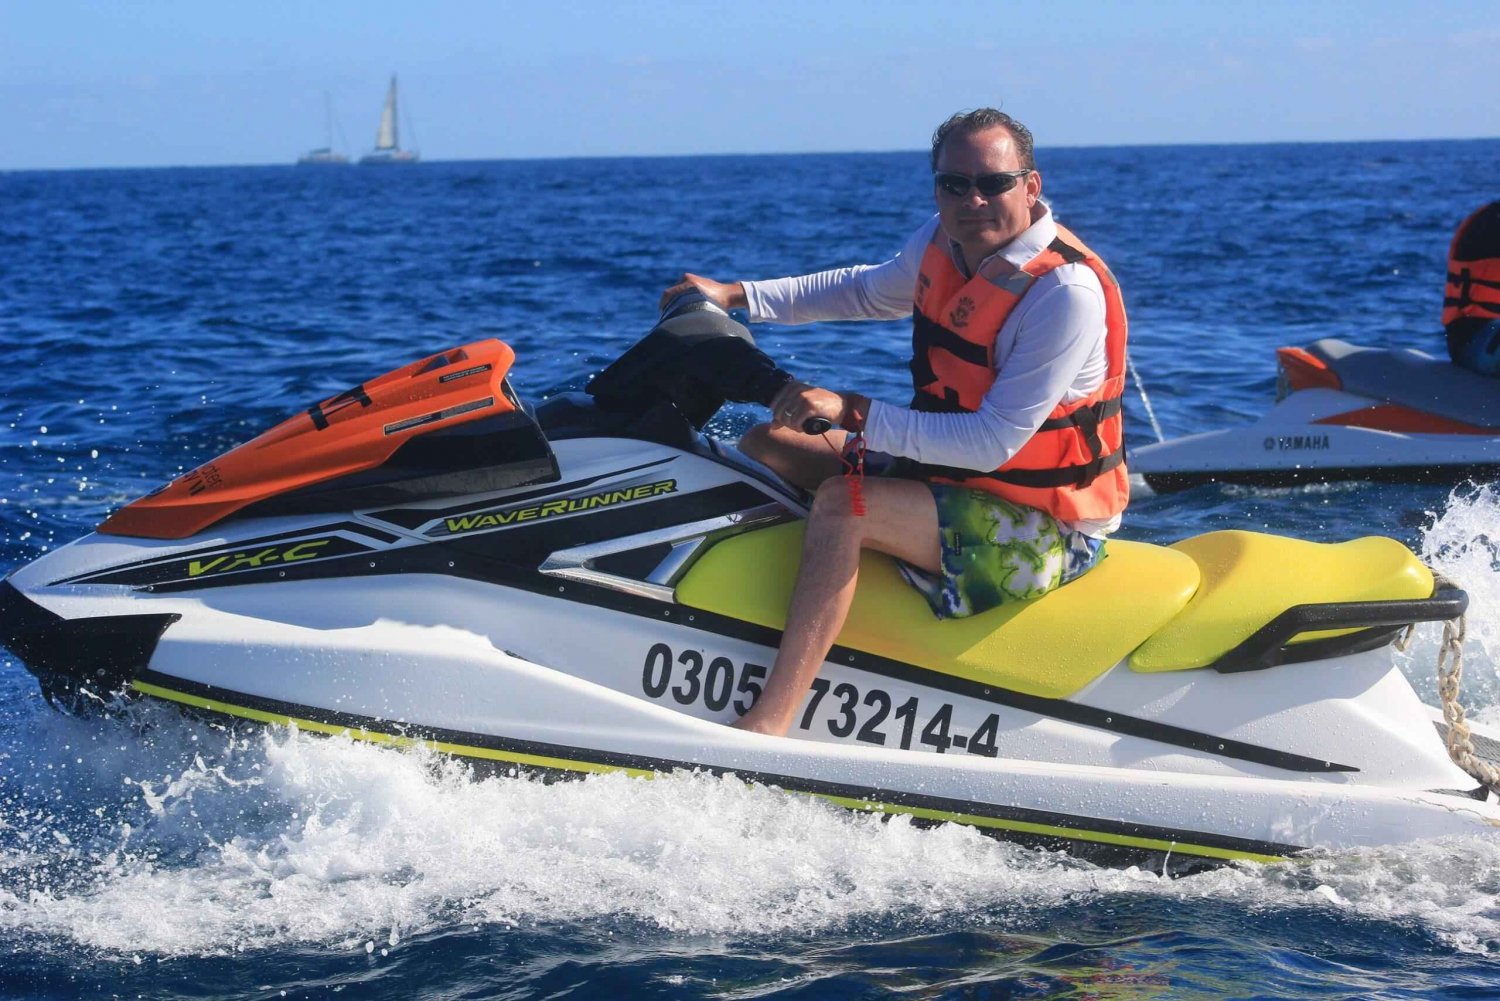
(1462, 542)
(229, 842)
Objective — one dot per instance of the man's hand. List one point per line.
(727, 295)
(797, 402)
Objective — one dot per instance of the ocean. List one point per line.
(153, 318)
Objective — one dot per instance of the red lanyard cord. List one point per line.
(854, 471)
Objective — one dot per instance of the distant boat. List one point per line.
(387, 141)
(325, 154)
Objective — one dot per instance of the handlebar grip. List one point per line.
(816, 425)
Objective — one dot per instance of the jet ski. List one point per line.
(591, 584)
(1346, 413)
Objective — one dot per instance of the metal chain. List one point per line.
(1450, 670)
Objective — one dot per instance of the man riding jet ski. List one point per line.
(1011, 450)
(593, 585)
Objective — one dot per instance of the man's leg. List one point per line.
(900, 519)
(804, 460)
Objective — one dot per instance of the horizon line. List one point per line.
(742, 155)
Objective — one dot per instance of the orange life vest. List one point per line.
(1473, 288)
(1073, 467)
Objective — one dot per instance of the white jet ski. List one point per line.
(1346, 413)
(593, 585)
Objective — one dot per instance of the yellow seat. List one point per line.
(1250, 578)
(1052, 646)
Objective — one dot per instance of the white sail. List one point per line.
(386, 138)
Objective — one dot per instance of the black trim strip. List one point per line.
(380, 534)
(312, 531)
(895, 797)
(1171, 482)
(508, 555)
(413, 518)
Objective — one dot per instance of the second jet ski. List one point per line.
(1346, 413)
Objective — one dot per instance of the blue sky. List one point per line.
(157, 82)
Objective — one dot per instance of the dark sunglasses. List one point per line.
(989, 185)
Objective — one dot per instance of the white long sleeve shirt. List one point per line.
(1050, 349)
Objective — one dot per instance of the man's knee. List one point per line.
(831, 502)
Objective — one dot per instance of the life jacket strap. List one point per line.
(1466, 281)
(1079, 476)
(1087, 420)
(927, 334)
(924, 402)
(1069, 253)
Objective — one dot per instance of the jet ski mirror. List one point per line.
(696, 358)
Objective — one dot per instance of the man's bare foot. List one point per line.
(758, 723)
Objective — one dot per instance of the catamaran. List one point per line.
(324, 154)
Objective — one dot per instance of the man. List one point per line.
(1471, 299)
(1014, 432)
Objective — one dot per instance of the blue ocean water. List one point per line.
(152, 318)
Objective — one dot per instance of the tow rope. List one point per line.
(1450, 671)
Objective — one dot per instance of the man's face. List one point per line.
(978, 222)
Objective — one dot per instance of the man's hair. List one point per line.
(968, 122)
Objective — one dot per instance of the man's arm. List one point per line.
(864, 292)
(1059, 347)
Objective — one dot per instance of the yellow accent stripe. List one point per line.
(1069, 833)
(565, 764)
(377, 737)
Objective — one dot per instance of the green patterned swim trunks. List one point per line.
(994, 551)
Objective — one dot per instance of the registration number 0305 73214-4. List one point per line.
(870, 715)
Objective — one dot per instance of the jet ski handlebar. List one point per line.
(696, 359)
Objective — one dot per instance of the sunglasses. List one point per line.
(989, 185)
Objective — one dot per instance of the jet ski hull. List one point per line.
(1346, 413)
(1289, 446)
(1048, 781)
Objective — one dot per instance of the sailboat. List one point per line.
(325, 154)
(387, 141)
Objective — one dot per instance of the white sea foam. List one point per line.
(1462, 542)
(286, 838)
